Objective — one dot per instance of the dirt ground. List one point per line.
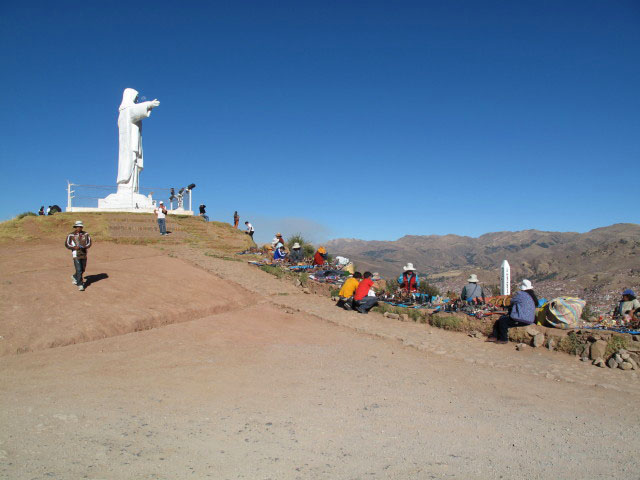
(264, 382)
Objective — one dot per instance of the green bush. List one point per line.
(26, 214)
(308, 250)
(569, 344)
(429, 289)
(275, 271)
(449, 322)
(587, 313)
(615, 343)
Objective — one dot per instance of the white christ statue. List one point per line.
(130, 159)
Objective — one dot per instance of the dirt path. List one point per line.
(259, 393)
(129, 289)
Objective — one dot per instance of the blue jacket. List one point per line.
(522, 308)
(279, 253)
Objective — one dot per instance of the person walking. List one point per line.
(78, 242)
(161, 212)
(249, 230)
(203, 212)
(236, 219)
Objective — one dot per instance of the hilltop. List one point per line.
(126, 228)
(181, 359)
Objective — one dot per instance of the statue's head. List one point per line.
(129, 98)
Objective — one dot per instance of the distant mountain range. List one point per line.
(602, 259)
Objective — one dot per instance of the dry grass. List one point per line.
(128, 228)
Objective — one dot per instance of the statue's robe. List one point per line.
(130, 158)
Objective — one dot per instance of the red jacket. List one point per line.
(363, 289)
(409, 285)
(318, 259)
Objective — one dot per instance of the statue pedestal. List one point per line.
(126, 201)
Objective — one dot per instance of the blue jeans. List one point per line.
(162, 224)
(81, 265)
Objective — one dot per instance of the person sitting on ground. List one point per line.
(249, 230)
(628, 303)
(522, 311)
(296, 256)
(348, 290)
(276, 240)
(41, 211)
(320, 256)
(365, 298)
(409, 280)
(472, 292)
(279, 252)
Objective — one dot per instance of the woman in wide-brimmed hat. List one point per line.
(522, 311)
(296, 255)
(472, 292)
(409, 279)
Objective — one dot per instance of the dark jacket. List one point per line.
(296, 255)
(82, 240)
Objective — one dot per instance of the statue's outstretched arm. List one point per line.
(142, 110)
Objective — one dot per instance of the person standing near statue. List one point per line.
(78, 242)
(161, 212)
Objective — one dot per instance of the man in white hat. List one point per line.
(409, 279)
(161, 212)
(78, 242)
(296, 256)
(472, 292)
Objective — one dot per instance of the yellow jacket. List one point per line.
(349, 287)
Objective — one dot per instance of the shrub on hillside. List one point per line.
(428, 289)
(26, 214)
(307, 249)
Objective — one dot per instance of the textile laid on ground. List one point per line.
(335, 277)
(564, 312)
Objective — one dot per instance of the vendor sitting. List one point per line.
(279, 253)
(365, 298)
(409, 280)
(628, 304)
(522, 312)
(320, 256)
(348, 290)
(472, 292)
(276, 240)
(296, 256)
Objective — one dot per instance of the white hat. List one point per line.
(409, 267)
(78, 224)
(473, 278)
(526, 285)
(161, 202)
(296, 245)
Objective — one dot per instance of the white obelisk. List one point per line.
(505, 278)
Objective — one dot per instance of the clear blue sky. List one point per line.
(346, 119)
